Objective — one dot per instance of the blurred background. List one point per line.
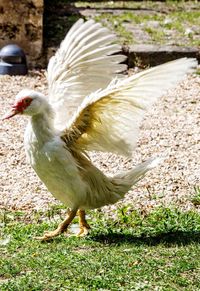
(150, 32)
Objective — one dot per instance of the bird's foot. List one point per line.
(48, 235)
(84, 230)
(84, 226)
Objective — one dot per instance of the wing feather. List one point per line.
(83, 64)
(109, 119)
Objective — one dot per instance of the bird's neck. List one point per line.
(42, 126)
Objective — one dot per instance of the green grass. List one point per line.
(135, 251)
(168, 4)
(196, 197)
(174, 26)
(149, 22)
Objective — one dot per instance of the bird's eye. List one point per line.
(27, 101)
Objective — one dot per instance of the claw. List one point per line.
(42, 238)
(48, 235)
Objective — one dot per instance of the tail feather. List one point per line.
(125, 180)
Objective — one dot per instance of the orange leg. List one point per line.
(60, 229)
(84, 226)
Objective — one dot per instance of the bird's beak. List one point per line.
(10, 114)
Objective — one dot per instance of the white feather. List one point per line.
(82, 65)
(108, 120)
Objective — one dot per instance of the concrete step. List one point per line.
(150, 55)
(157, 54)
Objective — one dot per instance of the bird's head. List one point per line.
(27, 102)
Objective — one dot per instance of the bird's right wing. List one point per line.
(108, 120)
(83, 64)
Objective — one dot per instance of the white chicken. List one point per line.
(86, 111)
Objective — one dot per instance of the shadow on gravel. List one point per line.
(169, 239)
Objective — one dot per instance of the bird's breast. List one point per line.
(56, 167)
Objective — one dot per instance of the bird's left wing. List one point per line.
(83, 64)
(108, 120)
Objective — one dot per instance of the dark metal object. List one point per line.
(12, 60)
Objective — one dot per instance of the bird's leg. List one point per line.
(84, 226)
(60, 229)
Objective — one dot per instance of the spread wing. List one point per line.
(83, 64)
(108, 120)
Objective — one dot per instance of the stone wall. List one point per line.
(21, 22)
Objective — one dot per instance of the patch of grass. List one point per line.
(108, 4)
(156, 34)
(116, 24)
(146, 5)
(170, 22)
(197, 71)
(179, 25)
(196, 197)
(134, 251)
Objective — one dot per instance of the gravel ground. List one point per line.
(171, 128)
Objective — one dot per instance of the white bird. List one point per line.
(86, 111)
